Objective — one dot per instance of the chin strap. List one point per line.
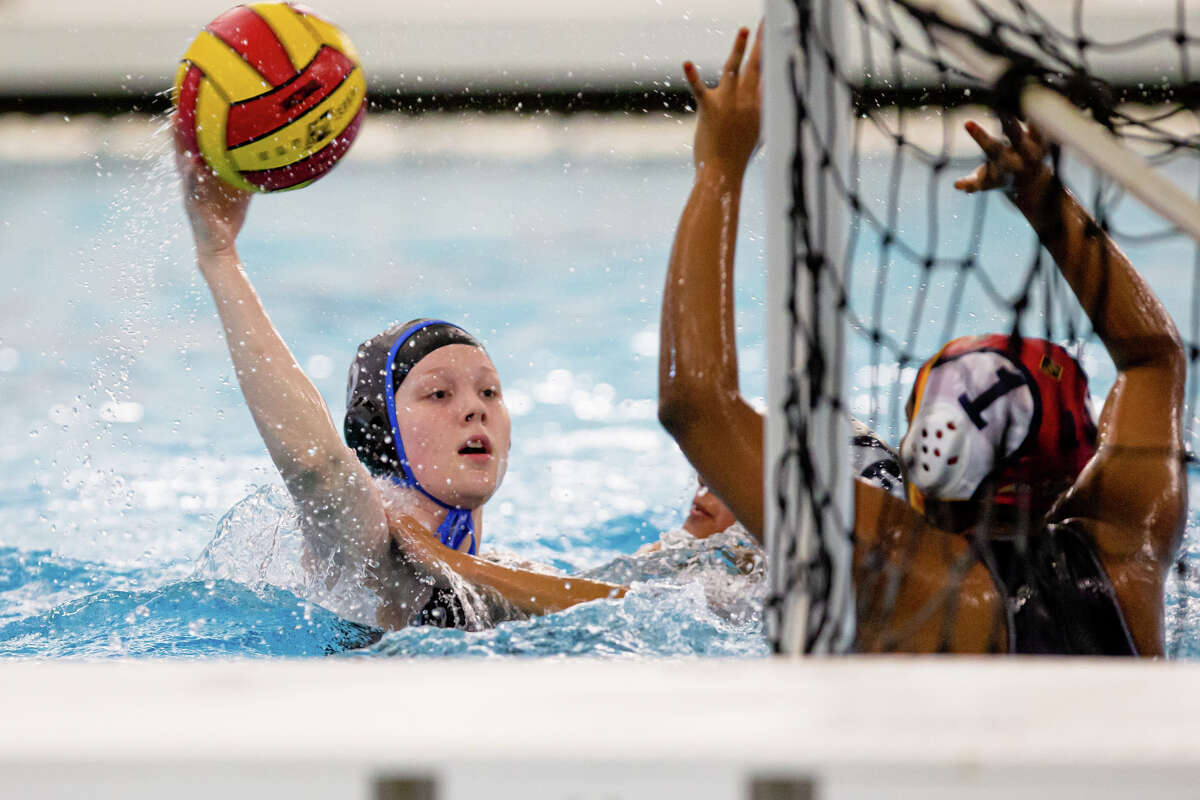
(458, 524)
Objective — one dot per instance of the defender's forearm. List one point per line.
(1126, 314)
(697, 349)
(529, 592)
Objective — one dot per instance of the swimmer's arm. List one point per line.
(1136, 482)
(528, 592)
(339, 503)
(1126, 315)
(700, 401)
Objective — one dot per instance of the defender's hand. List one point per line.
(1017, 163)
(727, 131)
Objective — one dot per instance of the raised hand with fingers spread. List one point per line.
(699, 400)
(1017, 164)
(727, 131)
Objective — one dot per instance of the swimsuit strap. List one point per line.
(1058, 597)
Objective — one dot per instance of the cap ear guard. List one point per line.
(938, 453)
(970, 412)
(369, 435)
(366, 427)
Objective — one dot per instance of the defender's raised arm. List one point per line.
(700, 402)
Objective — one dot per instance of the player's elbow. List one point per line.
(681, 408)
(674, 416)
(683, 398)
(696, 405)
(1174, 355)
(1163, 351)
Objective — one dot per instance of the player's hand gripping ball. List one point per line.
(271, 95)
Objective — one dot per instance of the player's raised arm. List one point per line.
(1128, 318)
(700, 402)
(335, 496)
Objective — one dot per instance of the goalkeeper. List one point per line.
(1040, 531)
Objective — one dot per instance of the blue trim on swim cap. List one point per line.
(458, 524)
(390, 398)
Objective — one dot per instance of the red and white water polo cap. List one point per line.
(1010, 407)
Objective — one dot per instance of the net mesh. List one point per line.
(912, 263)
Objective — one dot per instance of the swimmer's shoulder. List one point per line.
(888, 530)
(1133, 505)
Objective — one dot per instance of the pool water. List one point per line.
(140, 515)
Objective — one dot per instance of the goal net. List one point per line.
(876, 260)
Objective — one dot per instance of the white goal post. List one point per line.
(801, 315)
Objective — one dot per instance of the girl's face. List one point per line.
(454, 425)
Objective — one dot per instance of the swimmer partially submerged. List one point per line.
(424, 397)
(428, 434)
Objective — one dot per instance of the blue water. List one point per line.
(140, 516)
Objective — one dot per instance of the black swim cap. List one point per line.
(368, 426)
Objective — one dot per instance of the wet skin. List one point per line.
(452, 417)
(708, 515)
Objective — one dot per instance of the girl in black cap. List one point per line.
(428, 437)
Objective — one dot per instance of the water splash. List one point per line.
(259, 544)
(689, 597)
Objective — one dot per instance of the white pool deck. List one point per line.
(118, 46)
(850, 728)
(550, 729)
(78, 46)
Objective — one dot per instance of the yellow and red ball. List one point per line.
(271, 95)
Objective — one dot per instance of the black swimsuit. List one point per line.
(1059, 599)
(444, 610)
